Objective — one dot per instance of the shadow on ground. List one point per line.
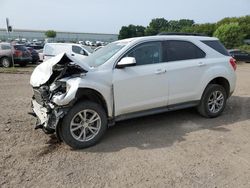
(162, 130)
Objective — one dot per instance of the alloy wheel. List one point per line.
(85, 125)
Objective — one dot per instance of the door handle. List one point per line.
(73, 54)
(160, 71)
(200, 64)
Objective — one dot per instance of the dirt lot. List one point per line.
(176, 149)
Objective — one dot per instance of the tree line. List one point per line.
(231, 31)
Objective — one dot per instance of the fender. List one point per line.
(211, 74)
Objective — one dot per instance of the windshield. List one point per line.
(101, 56)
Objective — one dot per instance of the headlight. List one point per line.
(59, 86)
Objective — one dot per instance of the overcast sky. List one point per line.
(107, 16)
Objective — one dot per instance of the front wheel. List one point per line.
(213, 101)
(84, 125)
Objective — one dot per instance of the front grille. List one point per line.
(38, 96)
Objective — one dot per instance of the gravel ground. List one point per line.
(176, 149)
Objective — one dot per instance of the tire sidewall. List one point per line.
(210, 89)
(65, 126)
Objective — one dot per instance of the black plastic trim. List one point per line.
(157, 110)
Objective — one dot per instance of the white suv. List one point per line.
(127, 79)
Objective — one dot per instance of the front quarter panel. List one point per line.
(100, 81)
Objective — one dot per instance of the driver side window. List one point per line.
(147, 53)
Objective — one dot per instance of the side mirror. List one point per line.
(126, 62)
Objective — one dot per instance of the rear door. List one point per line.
(186, 65)
(144, 86)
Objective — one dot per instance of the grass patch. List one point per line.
(8, 70)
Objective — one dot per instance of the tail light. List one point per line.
(18, 53)
(233, 63)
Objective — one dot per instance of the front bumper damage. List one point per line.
(55, 83)
(47, 118)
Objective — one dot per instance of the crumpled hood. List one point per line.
(43, 72)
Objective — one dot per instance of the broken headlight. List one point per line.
(59, 86)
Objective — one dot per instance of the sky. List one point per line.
(108, 16)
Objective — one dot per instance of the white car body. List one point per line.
(41, 55)
(76, 50)
(140, 90)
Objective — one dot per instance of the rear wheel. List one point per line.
(213, 101)
(84, 125)
(6, 62)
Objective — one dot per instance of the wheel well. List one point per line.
(223, 82)
(91, 95)
(4, 57)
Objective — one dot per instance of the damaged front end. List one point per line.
(55, 83)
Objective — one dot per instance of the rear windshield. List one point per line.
(20, 47)
(216, 45)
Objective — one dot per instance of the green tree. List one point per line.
(227, 20)
(124, 33)
(230, 35)
(131, 31)
(244, 23)
(50, 34)
(156, 26)
(207, 29)
(177, 26)
(174, 26)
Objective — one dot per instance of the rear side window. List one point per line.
(20, 47)
(174, 50)
(216, 45)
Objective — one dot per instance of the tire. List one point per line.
(5, 62)
(212, 92)
(77, 129)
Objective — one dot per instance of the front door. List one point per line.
(143, 86)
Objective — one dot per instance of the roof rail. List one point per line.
(180, 33)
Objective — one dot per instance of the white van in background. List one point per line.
(76, 50)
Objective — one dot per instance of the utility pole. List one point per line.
(9, 30)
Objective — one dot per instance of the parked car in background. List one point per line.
(240, 55)
(5, 55)
(76, 50)
(35, 47)
(21, 55)
(41, 55)
(34, 54)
